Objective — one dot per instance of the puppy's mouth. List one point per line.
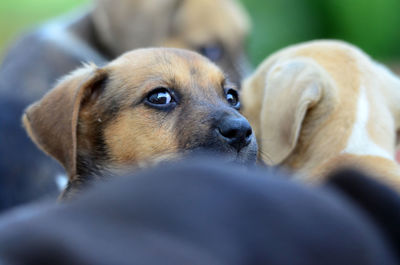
(226, 147)
(246, 156)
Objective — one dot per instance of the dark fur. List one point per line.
(379, 202)
(209, 213)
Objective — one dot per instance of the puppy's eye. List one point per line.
(233, 98)
(213, 52)
(160, 97)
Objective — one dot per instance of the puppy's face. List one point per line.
(214, 28)
(146, 106)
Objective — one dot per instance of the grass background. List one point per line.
(374, 25)
(17, 16)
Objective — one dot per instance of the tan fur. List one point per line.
(122, 138)
(395, 67)
(97, 118)
(189, 24)
(381, 168)
(180, 23)
(205, 21)
(55, 132)
(303, 104)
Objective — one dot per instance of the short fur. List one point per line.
(96, 121)
(110, 27)
(187, 24)
(322, 105)
(395, 67)
(208, 213)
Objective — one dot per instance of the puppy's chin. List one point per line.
(246, 156)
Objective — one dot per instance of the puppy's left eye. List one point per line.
(160, 97)
(233, 98)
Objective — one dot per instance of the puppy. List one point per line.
(149, 105)
(322, 105)
(215, 28)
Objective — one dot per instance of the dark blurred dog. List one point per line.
(215, 28)
(210, 214)
(149, 105)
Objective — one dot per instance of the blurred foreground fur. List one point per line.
(322, 105)
(210, 213)
(216, 28)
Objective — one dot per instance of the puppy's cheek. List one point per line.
(137, 137)
(191, 130)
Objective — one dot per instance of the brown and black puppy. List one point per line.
(215, 28)
(146, 106)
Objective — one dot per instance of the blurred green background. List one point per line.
(374, 25)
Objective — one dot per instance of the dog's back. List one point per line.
(314, 105)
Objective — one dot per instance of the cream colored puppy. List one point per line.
(322, 105)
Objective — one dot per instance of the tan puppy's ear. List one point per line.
(291, 89)
(52, 122)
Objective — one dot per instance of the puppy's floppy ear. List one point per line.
(52, 122)
(291, 89)
(378, 201)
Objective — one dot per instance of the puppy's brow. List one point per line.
(173, 82)
(223, 83)
(227, 83)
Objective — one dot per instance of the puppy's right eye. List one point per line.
(160, 97)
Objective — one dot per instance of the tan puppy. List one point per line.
(322, 105)
(146, 106)
(214, 28)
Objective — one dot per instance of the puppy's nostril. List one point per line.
(228, 133)
(249, 133)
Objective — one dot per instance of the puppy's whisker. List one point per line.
(265, 157)
(266, 140)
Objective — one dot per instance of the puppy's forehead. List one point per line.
(208, 21)
(166, 66)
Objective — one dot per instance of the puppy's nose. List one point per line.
(236, 132)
